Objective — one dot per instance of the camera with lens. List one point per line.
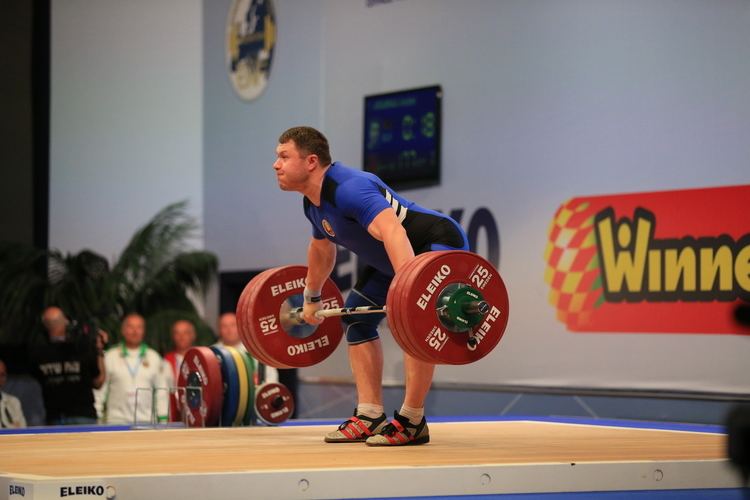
(82, 333)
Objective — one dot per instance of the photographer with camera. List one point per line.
(68, 363)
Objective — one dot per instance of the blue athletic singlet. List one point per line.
(351, 199)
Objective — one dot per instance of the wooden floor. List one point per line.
(285, 448)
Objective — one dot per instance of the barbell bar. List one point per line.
(295, 315)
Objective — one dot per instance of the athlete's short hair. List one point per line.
(309, 140)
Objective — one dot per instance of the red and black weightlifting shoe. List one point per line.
(400, 432)
(357, 429)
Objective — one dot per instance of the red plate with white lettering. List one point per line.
(278, 343)
(407, 309)
(274, 403)
(244, 318)
(397, 307)
(200, 368)
(392, 315)
(249, 323)
(428, 335)
(401, 307)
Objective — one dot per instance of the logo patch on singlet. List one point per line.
(328, 229)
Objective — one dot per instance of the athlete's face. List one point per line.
(292, 167)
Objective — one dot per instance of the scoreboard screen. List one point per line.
(402, 137)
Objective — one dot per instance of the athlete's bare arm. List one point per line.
(386, 227)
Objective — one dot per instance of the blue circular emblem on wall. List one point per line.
(251, 38)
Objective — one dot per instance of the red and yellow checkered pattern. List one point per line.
(572, 264)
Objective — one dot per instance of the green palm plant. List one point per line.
(155, 276)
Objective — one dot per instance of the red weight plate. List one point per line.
(405, 308)
(409, 309)
(244, 315)
(395, 304)
(409, 306)
(252, 330)
(254, 337)
(200, 368)
(274, 403)
(437, 335)
(431, 338)
(247, 319)
(392, 303)
(264, 323)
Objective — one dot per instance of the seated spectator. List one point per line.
(230, 336)
(133, 369)
(11, 413)
(68, 363)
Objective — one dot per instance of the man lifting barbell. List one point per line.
(358, 211)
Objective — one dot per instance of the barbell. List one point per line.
(443, 307)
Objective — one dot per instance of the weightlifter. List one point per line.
(356, 210)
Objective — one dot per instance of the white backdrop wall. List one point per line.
(126, 118)
(544, 100)
(249, 224)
